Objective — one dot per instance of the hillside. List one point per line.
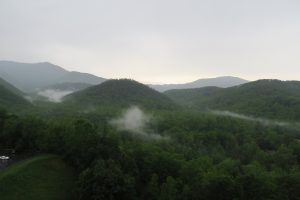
(120, 93)
(67, 86)
(28, 76)
(78, 77)
(10, 97)
(42, 177)
(264, 98)
(223, 82)
(31, 76)
(194, 96)
(10, 87)
(56, 92)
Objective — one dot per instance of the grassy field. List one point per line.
(39, 178)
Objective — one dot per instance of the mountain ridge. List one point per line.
(270, 98)
(28, 77)
(31, 77)
(221, 81)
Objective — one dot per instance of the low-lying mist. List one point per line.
(136, 121)
(54, 95)
(266, 122)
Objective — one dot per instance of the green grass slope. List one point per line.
(119, 94)
(41, 178)
(264, 98)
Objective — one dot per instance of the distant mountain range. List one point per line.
(223, 82)
(272, 99)
(35, 77)
(30, 77)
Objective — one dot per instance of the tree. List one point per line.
(169, 189)
(106, 181)
(153, 190)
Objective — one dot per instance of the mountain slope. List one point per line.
(10, 87)
(11, 101)
(55, 93)
(78, 77)
(10, 97)
(120, 93)
(31, 76)
(223, 82)
(194, 96)
(264, 98)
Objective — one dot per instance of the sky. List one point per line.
(156, 41)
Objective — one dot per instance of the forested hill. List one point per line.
(265, 98)
(10, 97)
(120, 93)
(10, 87)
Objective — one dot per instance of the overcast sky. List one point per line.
(156, 40)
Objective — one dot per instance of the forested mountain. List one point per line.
(10, 87)
(11, 98)
(31, 76)
(264, 98)
(120, 93)
(27, 76)
(223, 82)
(78, 77)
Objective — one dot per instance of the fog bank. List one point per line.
(135, 121)
(54, 95)
(264, 121)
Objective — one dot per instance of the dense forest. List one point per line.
(156, 150)
(198, 157)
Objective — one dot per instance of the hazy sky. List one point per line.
(156, 40)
